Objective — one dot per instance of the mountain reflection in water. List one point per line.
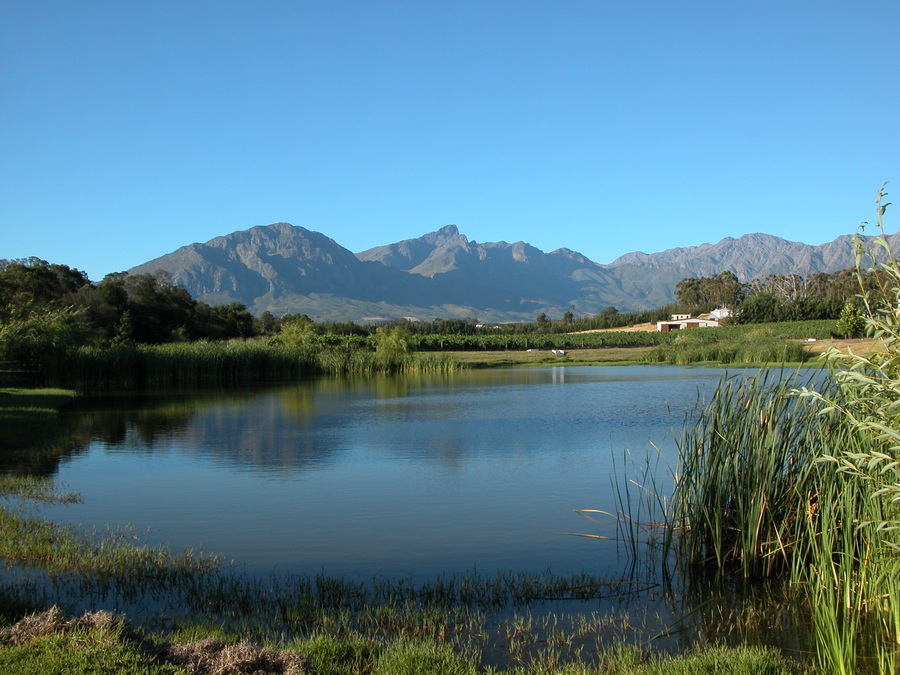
(383, 475)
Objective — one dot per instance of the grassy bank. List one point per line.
(209, 618)
(786, 343)
(192, 613)
(29, 424)
(290, 357)
(101, 642)
(223, 363)
(576, 357)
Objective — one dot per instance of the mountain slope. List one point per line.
(750, 257)
(286, 269)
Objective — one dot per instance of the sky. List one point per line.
(130, 129)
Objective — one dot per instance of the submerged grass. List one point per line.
(48, 642)
(467, 623)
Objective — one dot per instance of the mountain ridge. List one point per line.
(283, 268)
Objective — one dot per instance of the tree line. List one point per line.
(786, 297)
(44, 307)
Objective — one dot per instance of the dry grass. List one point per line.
(645, 327)
(41, 624)
(214, 657)
(544, 357)
(861, 346)
(203, 657)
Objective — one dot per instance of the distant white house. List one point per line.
(680, 321)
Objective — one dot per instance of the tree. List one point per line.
(34, 282)
(160, 310)
(36, 335)
(296, 333)
(392, 344)
(222, 322)
(706, 293)
(851, 323)
(266, 323)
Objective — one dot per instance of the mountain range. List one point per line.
(283, 269)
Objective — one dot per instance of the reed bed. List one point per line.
(706, 345)
(747, 475)
(802, 480)
(758, 494)
(229, 362)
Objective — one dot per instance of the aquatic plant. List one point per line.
(802, 480)
(205, 363)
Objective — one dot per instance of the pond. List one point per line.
(395, 476)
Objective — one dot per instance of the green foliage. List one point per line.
(38, 334)
(33, 281)
(721, 345)
(392, 345)
(790, 297)
(851, 323)
(523, 341)
(145, 308)
(803, 481)
(296, 334)
(708, 293)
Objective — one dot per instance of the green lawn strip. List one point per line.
(29, 417)
(23, 404)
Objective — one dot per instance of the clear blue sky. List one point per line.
(128, 129)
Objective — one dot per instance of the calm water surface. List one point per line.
(392, 476)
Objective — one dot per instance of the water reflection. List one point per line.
(392, 475)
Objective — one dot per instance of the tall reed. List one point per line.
(802, 480)
(228, 362)
(714, 345)
(759, 494)
(747, 475)
(854, 578)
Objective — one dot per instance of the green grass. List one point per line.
(100, 642)
(447, 624)
(730, 346)
(760, 493)
(96, 644)
(31, 429)
(231, 362)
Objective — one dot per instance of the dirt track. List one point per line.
(646, 327)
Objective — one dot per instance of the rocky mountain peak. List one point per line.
(284, 268)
